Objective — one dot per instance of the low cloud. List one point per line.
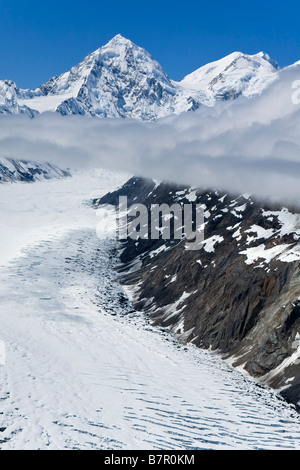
(242, 146)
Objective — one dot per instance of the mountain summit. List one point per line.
(234, 75)
(122, 80)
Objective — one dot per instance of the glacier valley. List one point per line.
(82, 369)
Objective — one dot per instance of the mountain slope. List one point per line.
(238, 295)
(117, 80)
(122, 80)
(83, 370)
(234, 75)
(9, 99)
(12, 170)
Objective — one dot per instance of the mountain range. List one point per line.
(122, 80)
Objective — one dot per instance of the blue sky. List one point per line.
(40, 40)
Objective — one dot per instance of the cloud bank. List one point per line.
(241, 146)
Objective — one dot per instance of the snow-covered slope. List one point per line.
(80, 369)
(234, 75)
(9, 96)
(121, 79)
(12, 170)
(118, 80)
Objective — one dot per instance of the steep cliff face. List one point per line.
(239, 294)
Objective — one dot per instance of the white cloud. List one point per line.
(241, 146)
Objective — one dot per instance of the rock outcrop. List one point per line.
(238, 295)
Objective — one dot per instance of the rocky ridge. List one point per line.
(239, 295)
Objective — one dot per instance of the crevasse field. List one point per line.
(79, 369)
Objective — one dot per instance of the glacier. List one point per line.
(83, 369)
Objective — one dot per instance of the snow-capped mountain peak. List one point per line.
(121, 79)
(266, 57)
(117, 41)
(233, 75)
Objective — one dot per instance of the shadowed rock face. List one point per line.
(238, 295)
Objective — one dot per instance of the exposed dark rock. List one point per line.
(218, 297)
